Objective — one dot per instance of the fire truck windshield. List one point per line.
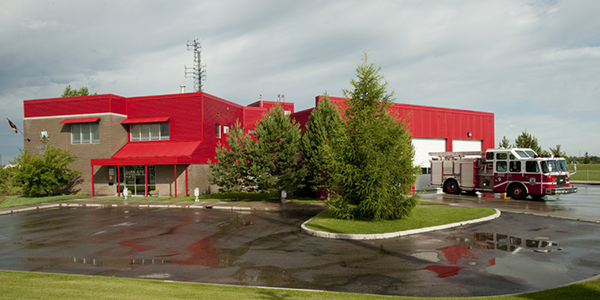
(563, 165)
(553, 166)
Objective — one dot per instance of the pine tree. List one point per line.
(275, 155)
(323, 123)
(231, 172)
(505, 143)
(558, 151)
(373, 155)
(526, 140)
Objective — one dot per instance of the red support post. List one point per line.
(187, 191)
(118, 181)
(92, 180)
(146, 172)
(175, 178)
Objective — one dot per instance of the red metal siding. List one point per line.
(302, 117)
(184, 110)
(74, 106)
(217, 111)
(444, 123)
(252, 115)
(270, 104)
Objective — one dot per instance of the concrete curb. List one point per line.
(379, 236)
(245, 207)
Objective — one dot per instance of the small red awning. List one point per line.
(80, 120)
(145, 120)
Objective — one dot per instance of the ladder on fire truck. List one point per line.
(455, 155)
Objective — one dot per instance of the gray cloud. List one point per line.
(534, 64)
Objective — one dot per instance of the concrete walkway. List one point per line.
(234, 206)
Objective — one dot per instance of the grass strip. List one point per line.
(28, 285)
(586, 172)
(421, 217)
(12, 201)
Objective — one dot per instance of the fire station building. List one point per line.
(164, 143)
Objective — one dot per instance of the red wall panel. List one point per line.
(74, 106)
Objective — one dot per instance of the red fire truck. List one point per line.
(517, 171)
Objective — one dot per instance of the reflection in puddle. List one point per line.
(469, 253)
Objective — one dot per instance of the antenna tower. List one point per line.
(198, 71)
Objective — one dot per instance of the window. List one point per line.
(550, 166)
(226, 129)
(501, 156)
(218, 131)
(149, 132)
(85, 133)
(532, 166)
(500, 166)
(515, 166)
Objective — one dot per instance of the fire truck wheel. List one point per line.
(517, 191)
(451, 187)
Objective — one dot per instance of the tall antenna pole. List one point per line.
(198, 71)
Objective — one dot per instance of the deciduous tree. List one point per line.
(44, 175)
(373, 155)
(70, 92)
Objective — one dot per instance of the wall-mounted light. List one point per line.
(469, 134)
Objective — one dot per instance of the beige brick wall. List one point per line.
(113, 136)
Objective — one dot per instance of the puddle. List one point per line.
(267, 249)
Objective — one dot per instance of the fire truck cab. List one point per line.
(519, 172)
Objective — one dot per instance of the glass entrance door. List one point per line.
(134, 179)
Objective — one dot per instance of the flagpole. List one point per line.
(13, 126)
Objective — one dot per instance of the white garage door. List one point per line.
(423, 147)
(466, 145)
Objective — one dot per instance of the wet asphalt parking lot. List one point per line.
(518, 252)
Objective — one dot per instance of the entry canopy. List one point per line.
(146, 120)
(80, 120)
(153, 153)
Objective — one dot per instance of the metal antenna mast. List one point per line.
(198, 71)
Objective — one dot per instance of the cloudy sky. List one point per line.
(534, 64)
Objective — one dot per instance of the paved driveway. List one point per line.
(513, 254)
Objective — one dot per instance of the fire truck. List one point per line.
(519, 172)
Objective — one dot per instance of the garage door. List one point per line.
(421, 159)
(423, 147)
(466, 145)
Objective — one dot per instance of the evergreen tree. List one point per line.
(323, 123)
(231, 172)
(526, 140)
(505, 143)
(558, 151)
(373, 155)
(44, 175)
(275, 155)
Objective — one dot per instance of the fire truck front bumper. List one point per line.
(561, 191)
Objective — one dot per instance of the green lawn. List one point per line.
(28, 285)
(586, 172)
(12, 201)
(421, 217)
